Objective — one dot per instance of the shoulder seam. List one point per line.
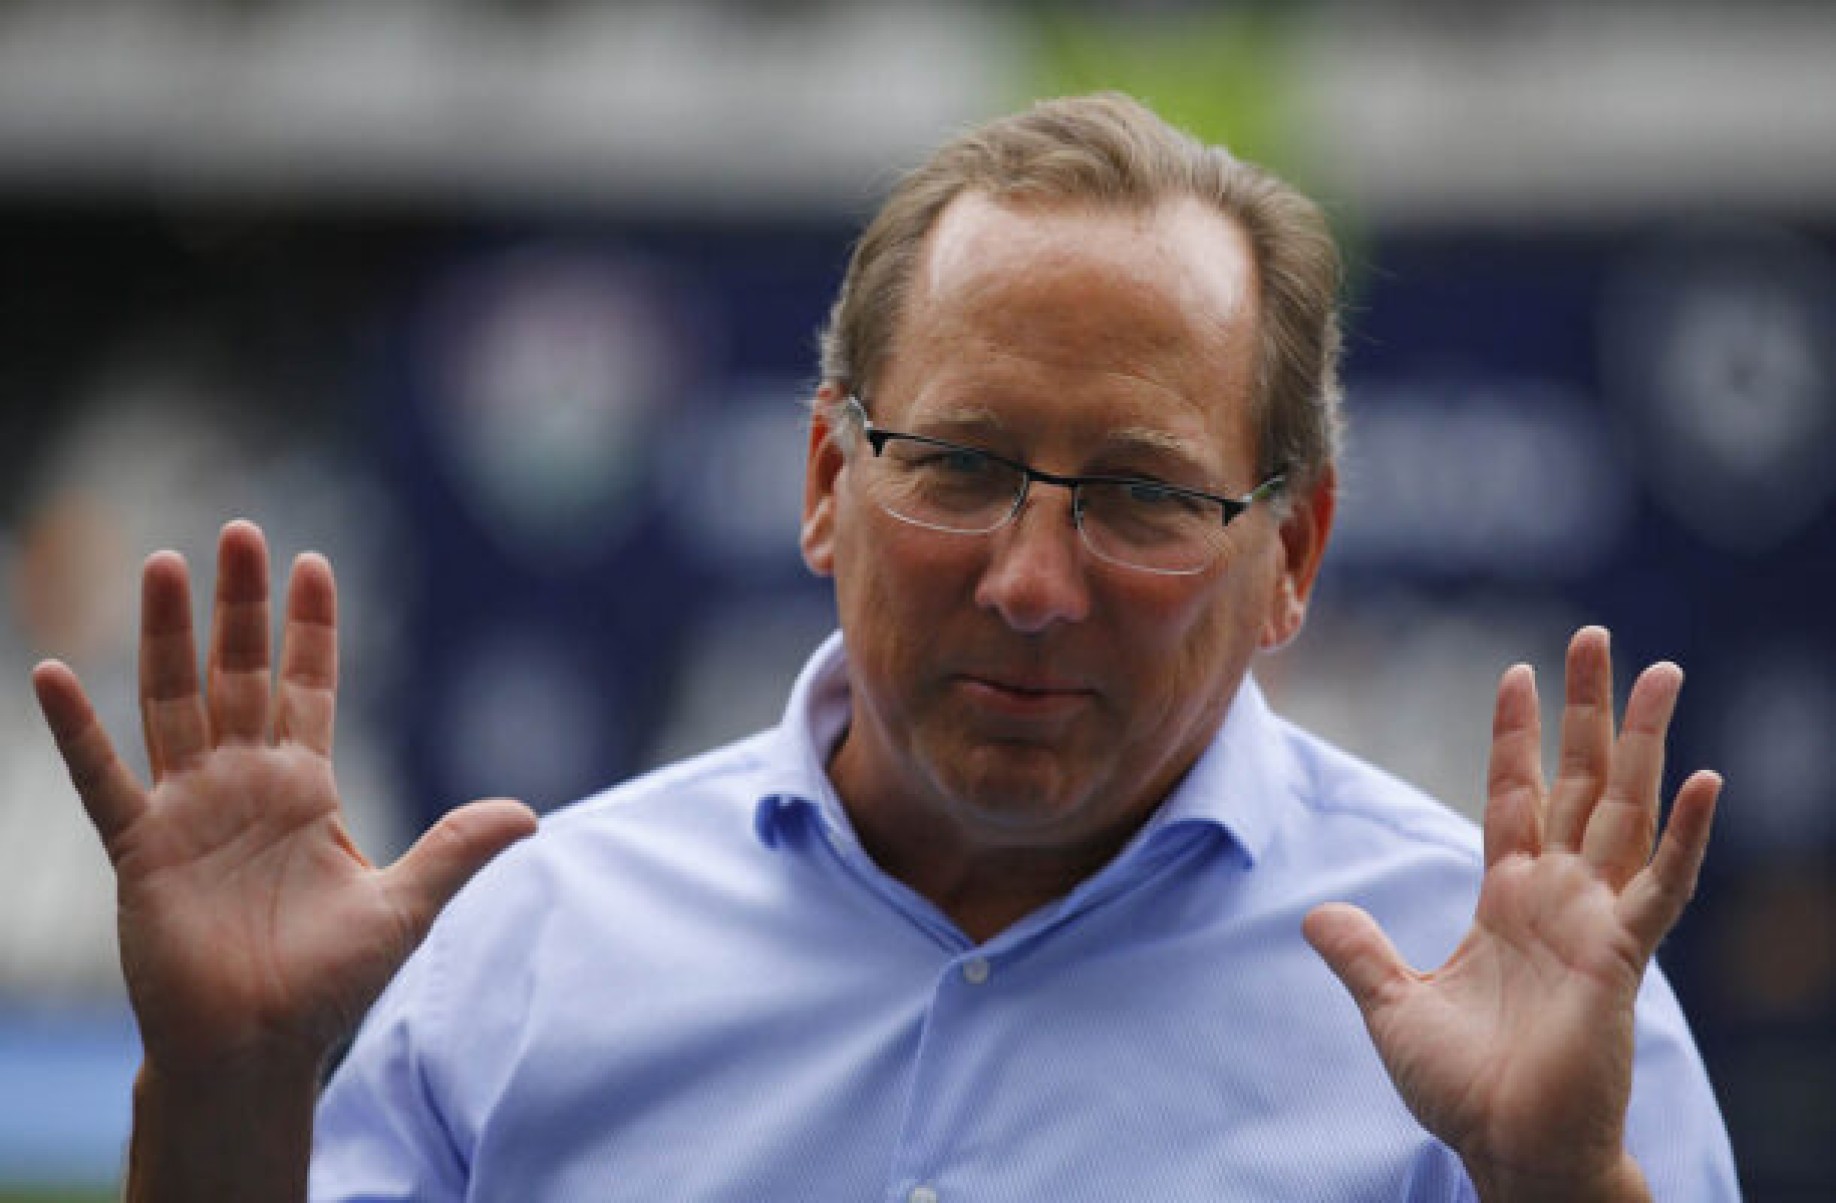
(1322, 797)
(739, 758)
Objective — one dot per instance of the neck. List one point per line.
(983, 892)
(983, 878)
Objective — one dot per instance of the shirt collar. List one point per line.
(1236, 785)
(1239, 781)
(797, 760)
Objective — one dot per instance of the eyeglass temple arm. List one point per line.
(1235, 506)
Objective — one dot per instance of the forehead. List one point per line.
(1178, 249)
(1082, 316)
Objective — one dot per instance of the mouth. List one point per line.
(1026, 697)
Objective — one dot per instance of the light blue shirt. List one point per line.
(697, 986)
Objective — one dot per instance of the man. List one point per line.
(1012, 905)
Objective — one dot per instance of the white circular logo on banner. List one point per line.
(1716, 344)
(550, 369)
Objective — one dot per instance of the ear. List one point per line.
(820, 469)
(1304, 531)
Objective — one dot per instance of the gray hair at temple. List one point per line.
(1112, 149)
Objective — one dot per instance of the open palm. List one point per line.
(1518, 1051)
(251, 926)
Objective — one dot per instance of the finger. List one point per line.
(1359, 955)
(450, 852)
(239, 634)
(1654, 900)
(171, 709)
(1514, 778)
(1587, 738)
(1620, 831)
(109, 792)
(307, 693)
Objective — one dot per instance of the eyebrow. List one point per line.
(969, 420)
(1146, 438)
(965, 418)
(1175, 457)
(1127, 438)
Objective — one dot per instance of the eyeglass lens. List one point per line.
(960, 490)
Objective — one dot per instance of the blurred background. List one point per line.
(509, 306)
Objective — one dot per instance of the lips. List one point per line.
(1029, 685)
(1023, 696)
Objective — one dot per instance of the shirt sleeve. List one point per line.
(1674, 1128)
(380, 1136)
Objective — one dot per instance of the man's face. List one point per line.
(1011, 690)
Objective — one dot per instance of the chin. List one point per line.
(1015, 789)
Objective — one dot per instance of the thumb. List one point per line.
(1358, 953)
(447, 855)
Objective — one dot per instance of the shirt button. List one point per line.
(975, 971)
(921, 1194)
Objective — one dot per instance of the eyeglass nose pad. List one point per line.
(1026, 490)
(1026, 493)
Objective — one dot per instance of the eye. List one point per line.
(1153, 495)
(963, 461)
(947, 461)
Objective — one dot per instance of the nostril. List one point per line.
(1035, 575)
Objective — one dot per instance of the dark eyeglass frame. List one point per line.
(1229, 507)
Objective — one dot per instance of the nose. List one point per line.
(1036, 575)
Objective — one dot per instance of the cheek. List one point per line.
(1195, 644)
(897, 585)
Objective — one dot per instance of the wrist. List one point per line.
(259, 1080)
(1622, 1182)
(240, 1131)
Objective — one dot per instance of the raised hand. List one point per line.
(253, 932)
(1518, 1051)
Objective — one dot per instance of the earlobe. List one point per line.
(1304, 531)
(821, 468)
(1287, 613)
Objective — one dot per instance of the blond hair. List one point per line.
(1111, 149)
